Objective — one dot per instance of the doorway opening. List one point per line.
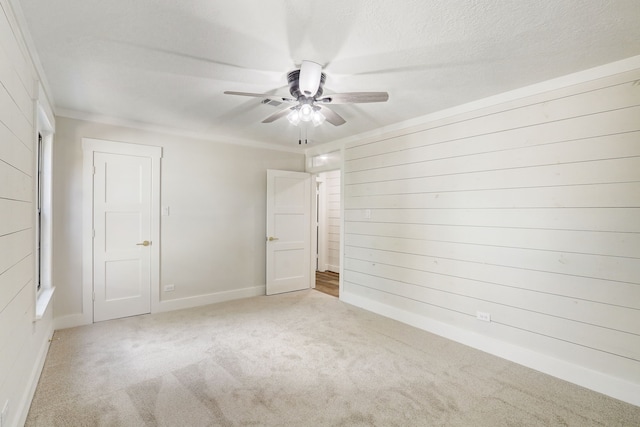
(328, 232)
(328, 283)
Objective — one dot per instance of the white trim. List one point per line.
(597, 381)
(70, 321)
(32, 52)
(327, 147)
(321, 213)
(43, 236)
(73, 320)
(89, 146)
(97, 118)
(25, 403)
(213, 298)
(45, 111)
(333, 268)
(342, 224)
(313, 262)
(595, 73)
(42, 302)
(324, 158)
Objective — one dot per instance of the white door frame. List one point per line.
(321, 226)
(89, 147)
(327, 162)
(313, 261)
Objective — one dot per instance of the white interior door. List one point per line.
(288, 231)
(122, 225)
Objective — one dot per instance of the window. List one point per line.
(42, 171)
(39, 177)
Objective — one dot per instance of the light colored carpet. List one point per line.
(298, 359)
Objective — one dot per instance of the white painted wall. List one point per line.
(23, 341)
(528, 210)
(213, 241)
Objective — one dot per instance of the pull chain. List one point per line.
(306, 141)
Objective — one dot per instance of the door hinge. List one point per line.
(93, 296)
(94, 170)
(93, 233)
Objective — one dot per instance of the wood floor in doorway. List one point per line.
(327, 282)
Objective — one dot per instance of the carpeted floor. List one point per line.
(298, 359)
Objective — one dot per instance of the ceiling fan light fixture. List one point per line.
(310, 74)
(306, 86)
(318, 118)
(306, 113)
(294, 117)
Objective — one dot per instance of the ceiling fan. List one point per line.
(306, 88)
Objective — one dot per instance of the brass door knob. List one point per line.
(271, 239)
(145, 243)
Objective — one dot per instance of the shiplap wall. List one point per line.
(23, 342)
(528, 210)
(333, 220)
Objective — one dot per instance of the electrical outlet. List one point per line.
(4, 414)
(485, 317)
(169, 288)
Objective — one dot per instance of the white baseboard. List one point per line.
(199, 300)
(79, 319)
(597, 381)
(70, 321)
(333, 268)
(25, 403)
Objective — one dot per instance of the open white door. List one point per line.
(288, 231)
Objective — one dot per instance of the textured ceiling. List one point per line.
(167, 62)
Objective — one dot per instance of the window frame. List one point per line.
(42, 207)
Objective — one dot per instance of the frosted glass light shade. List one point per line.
(306, 113)
(318, 118)
(294, 117)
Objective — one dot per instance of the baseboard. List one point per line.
(199, 300)
(597, 381)
(333, 268)
(70, 321)
(79, 319)
(34, 377)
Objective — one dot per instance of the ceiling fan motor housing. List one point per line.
(294, 85)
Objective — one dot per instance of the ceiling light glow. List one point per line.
(294, 117)
(306, 113)
(318, 118)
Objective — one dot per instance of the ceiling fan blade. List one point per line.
(277, 115)
(354, 98)
(261, 95)
(331, 116)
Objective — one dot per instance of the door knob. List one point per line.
(145, 243)
(271, 239)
